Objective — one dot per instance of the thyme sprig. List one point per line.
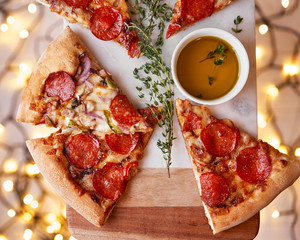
(155, 75)
(218, 55)
(237, 21)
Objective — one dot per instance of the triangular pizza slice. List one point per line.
(68, 88)
(188, 12)
(237, 174)
(90, 170)
(106, 19)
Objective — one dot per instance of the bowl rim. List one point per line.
(238, 48)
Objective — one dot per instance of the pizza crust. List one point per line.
(55, 170)
(285, 171)
(54, 166)
(66, 48)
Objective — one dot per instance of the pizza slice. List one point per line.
(188, 12)
(68, 88)
(237, 174)
(106, 19)
(90, 170)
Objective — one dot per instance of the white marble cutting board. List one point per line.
(241, 109)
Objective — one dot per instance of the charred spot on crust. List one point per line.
(283, 163)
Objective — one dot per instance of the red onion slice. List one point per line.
(83, 71)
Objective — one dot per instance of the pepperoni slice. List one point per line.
(214, 189)
(83, 150)
(192, 122)
(194, 10)
(122, 144)
(172, 29)
(60, 84)
(78, 3)
(128, 168)
(253, 165)
(133, 47)
(109, 181)
(219, 139)
(106, 23)
(123, 111)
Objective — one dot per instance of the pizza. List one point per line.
(188, 12)
(100, 136)
(90, 170)
(76, 92)
(107, 20)
(237, 174)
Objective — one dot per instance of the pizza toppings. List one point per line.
(123, 111)
(83, 71)
(122, 144)
(192, 122)
(60, 84)
(109, 181)
(219, 139)
(133, 47)
(194, 10)
(190, 12)
(106, 23)
(83, 150)
(214, 189)
(253, 165)
(78, 3)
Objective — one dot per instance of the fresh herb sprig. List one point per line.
(219, 55)
(237, 21)
(155, 75)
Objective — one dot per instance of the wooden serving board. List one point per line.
(157, 207)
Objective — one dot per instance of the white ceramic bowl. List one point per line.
(239, 51)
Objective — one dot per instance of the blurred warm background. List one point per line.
(28, 207)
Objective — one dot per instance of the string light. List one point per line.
(284, 149)
(10, 166)
(272, 91)
(263, 29)
(285, 3)
(11, 213)
(261, 122)
(50, 229)
(32, 169)
(275, 214)
(24, 34)
(259, 52)
(24, 68)
(4, 27)
(28, 199)
(56, 225)
(58, 237)
(34, 204)
(290, 69)
(297, 152)
(8, 185)
(27, 234)
(2, 237)
(27, 217)
(32, 8)
(1, 128)
(72, 238)
(50, 217)
(274, 142)
(10, 20)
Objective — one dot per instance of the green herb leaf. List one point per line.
(219, 56)
(155, 75)
(237, 21)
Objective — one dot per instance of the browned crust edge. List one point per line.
(61, 55)
(55, 171)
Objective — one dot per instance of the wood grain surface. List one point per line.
(157, 207)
